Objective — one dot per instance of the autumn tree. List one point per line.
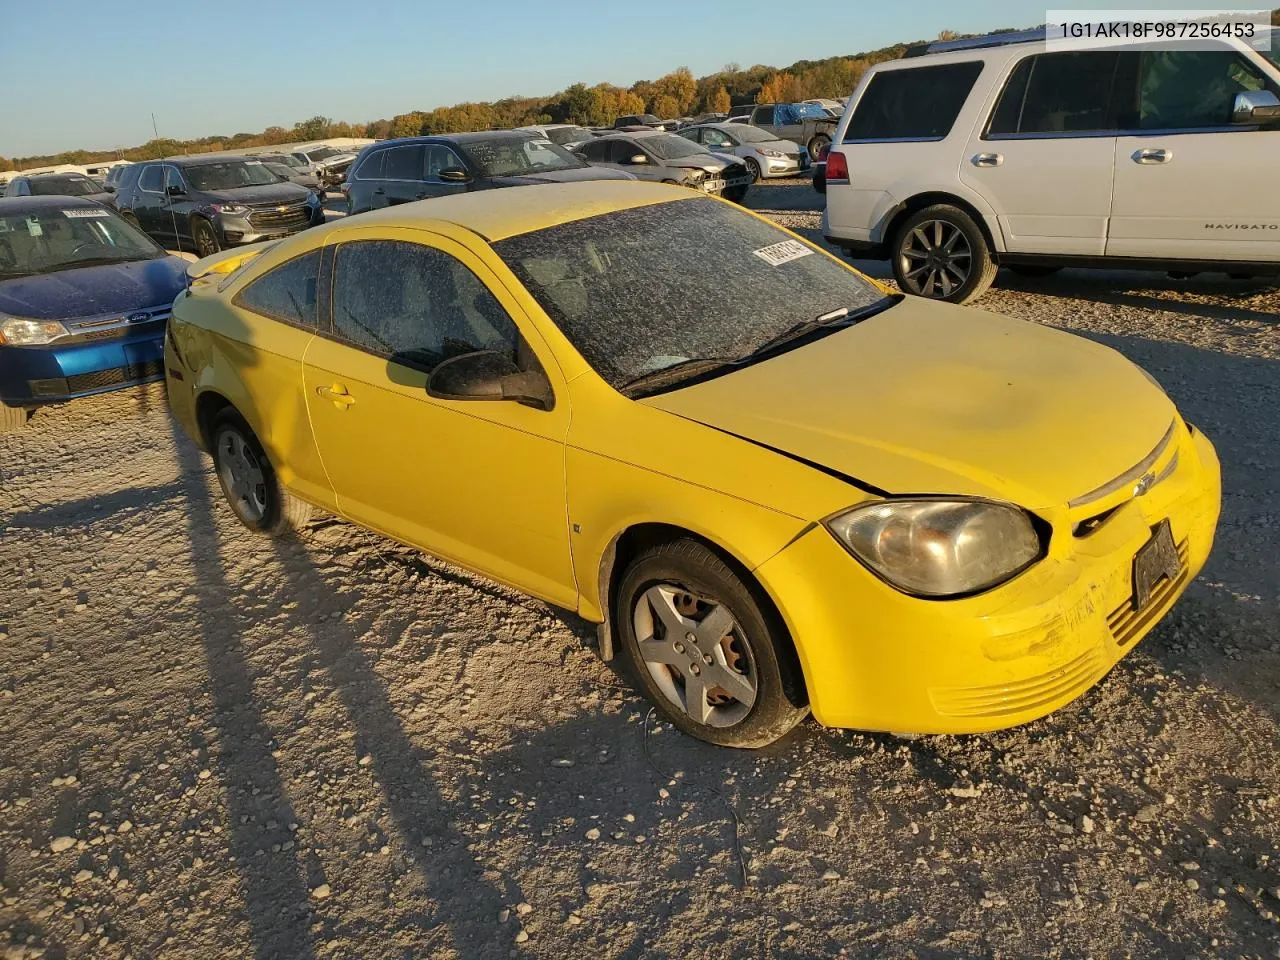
(317, 128)
(6, 163)
(666, 106)
(720, 102)
(407, 124)
(779, 88)
(680, 87)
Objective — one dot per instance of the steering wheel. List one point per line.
(7, 257)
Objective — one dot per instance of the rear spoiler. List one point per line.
(228, 261)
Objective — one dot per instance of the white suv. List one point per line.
(1004, 151)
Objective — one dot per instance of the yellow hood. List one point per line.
(931, 398)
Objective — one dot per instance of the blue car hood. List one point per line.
(92, 291)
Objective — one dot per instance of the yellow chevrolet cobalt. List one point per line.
(778, 487)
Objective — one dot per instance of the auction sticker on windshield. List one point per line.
(779, 253)
(84, 212)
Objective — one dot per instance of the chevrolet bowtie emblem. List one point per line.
(281, 209)
(1145, 483)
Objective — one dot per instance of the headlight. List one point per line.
(231, 209)
(939, 548)
(712, 170)
(694, 176)
(20, 332)
(770, 152)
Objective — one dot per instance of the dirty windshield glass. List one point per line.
(227, 176)
(563, 135)
(514, 156)
(63, 187)
(55, 238)
(643, 289)
(668, 146)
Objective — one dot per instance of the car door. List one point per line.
(763, 117)
(148, 201)
(1043, 159)
(176, 205)
(274, 320)
(441, 157)
(479, 483)
(1190, 182)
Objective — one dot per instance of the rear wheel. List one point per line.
(204, 237)
(714, 663)
(248, 480)
(12, 419)
(816, 145)
(940, 253)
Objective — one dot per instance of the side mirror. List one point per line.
(454, 175)
(176, 190)
(489, 375)
(637, 159)
(109, 188)
(1255, 106)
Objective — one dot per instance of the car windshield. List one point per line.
(644, 289)
(516, 156)
(563, 135)
(63, 186)
(228, 175)
(323, 153)
(292, 161)
(60, 238)
(749, 134)
(669, 146)
(281, 170)
(1274, 53)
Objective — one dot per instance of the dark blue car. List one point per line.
(84, 298)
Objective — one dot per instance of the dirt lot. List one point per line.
(217, 746)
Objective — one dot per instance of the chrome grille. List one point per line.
(283, 216)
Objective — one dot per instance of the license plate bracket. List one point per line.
(1156, 560)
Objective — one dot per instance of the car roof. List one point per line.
(471, 137)
(55, 176)
(636, 133)
(198, 161)
(13, 205)
(511, 211)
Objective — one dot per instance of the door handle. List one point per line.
(988, 159)
(337, 394)
(1152, 155)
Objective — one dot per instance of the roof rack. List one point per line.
(978, 43)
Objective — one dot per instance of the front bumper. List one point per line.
(237, 230)
(37, 375)
(788, 166)
(876, 659)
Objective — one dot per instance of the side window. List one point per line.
(286, 293)
(763, 115)
(440, 157)
(915, 103)
(152, 179)
(404, 163)
(173, 178)
(371, 167)
(714, 138)
(1181, 89)
(597, 150)
(1058, 93)
(415, 304)
(621, 151)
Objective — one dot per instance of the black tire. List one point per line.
(815, 145)
(755, 639)
(736, 194)
(928, 262)
(1033, 269)
(12, 419)
(270, 509)
(204, 237)
(753, 168)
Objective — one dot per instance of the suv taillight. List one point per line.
(837, 167)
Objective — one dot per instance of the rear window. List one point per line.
(916, 103)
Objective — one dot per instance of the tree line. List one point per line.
(676, 94)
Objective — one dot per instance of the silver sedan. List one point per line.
(763, 153)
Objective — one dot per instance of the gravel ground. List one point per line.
(216, 746)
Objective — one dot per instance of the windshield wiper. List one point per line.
(839, 317)
(680, 370)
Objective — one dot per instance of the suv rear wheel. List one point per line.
(941, 253)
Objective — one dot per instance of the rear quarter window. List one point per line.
(913, 103)
(288, 292)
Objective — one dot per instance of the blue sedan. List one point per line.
(84, 298)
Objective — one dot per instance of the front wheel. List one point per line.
(12, 419)
(941, 253)
(248, 480)
(817, 144)
(204, 237)
(753, 168)
(711, 660)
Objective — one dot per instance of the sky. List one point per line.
(87, 75)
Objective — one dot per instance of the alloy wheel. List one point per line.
(696, 653)
(242, 476)
(206, 241)
(935, 259)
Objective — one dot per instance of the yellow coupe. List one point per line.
(777, 486)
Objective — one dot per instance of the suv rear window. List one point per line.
(1057, 93)
(913, 103)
